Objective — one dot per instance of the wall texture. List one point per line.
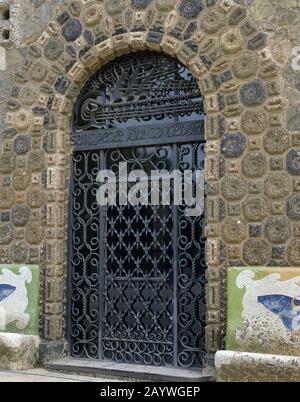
(240, 51)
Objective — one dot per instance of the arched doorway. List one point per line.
(136, 273)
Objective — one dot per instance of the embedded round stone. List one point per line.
(253, 93)
(38, 71)
(6, 233)
(7, 162)
(233, 187)
(277, 185)
(294, 252)
(232, 41)
(164, 5)
(293, 206)
(35, 50)
(20, 214)
(114, 7)
(53, 49)
(28, 95)
(35, 198)
(19, 251)
(140, 4)
(293, 118)
(276, 141)
(191, 8)
(91, 16)
(237, 15)
(212, 21)
(63, 17)
(34, 232)
(21, 179)
(245, 66)
(72, 30)
(36, 160)
(23, 120)
(254, 164)
(22, 144)
(234, 230)
(256, 252)
(278, 252)
(233, 145)
(10, 132)
(255, 209)
(278, 229)
(293, 161)
(7, 197)
(258, 41)
(254, 122)
(75, 8)
(255, 230)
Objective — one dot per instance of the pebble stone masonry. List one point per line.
(252, 159)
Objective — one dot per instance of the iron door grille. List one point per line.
(137, 273)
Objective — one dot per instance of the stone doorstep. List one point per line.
(256, 367)
(17, 351)
(112, 369)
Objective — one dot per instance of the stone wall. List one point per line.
(241, 54)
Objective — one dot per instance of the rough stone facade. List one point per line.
(241, 53)
(255, 367)
(18, 352)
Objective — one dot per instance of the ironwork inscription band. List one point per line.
(138, 135)
(142, 87)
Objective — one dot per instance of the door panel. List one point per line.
(137, 273)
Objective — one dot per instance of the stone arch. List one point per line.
(220, 44)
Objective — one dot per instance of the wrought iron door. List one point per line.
(137, 273)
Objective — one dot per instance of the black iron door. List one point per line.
(137, 273)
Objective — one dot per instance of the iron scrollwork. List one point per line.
(137, 273)
(143, 87)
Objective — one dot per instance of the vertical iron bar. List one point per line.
(175, 258)
(101, 264)
(70, 254)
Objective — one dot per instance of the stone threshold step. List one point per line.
(112, 369)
